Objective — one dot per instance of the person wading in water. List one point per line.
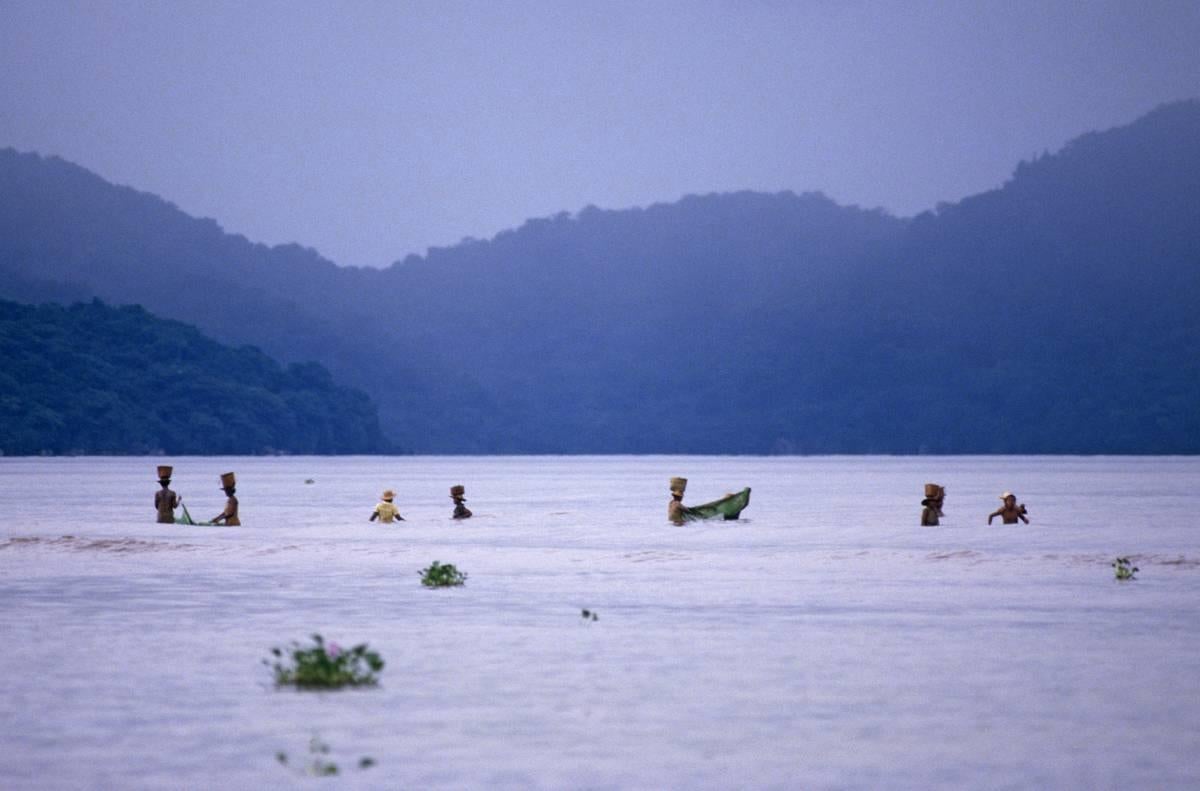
(459, 495)
(230, 515)
(935, 497)
(675, 509)
(165, 500)
(386, 511)
(1010, 512)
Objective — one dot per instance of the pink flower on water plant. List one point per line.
(333, 650)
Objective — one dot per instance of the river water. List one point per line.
(823, 641)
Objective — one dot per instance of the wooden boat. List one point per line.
(728, 507)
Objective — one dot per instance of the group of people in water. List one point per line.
(935, 497)
(166, 501)
(729, 507)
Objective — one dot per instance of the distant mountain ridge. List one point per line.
(1055, 313)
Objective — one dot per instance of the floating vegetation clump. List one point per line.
(1124, 569)
(324, 665)
(440, 575)
(319, 763)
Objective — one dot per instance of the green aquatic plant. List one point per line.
(324, 665)
(319, 764)
(442, 575)
(590, 615)
(1124, 569)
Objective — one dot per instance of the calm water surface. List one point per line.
(826, 640)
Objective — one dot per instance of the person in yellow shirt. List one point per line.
(386, 511)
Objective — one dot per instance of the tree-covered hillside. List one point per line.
(68, 235)
(97, 379)
(1055, 313)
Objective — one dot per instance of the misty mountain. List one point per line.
(1053, 314)
(97, 379)
(67, 235)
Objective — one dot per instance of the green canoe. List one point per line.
(728, 507)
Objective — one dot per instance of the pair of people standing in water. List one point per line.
(166, 501)
(935, 497)
(387, 511)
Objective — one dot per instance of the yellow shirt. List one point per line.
(387, 511)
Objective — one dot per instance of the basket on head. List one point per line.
(679, 485)
(228, 480)
(458, 491)
(932, 490)
(388, 494)
(164, 471)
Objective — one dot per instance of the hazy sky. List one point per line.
(373, 130)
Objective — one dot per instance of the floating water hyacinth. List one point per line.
(440, 575)
(324, 665)
(319, 764)
(1123, 569)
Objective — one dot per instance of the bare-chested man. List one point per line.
(1010, 512)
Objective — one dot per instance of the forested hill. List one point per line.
(97, 379)
(1055, 313)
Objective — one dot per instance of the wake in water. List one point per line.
(74, 543)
